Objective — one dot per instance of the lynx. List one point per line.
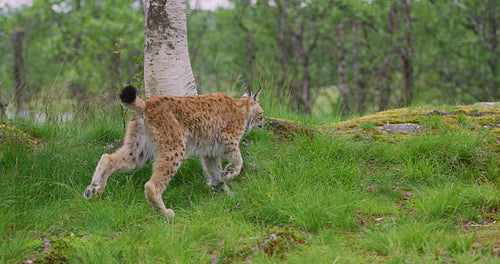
(172, 129)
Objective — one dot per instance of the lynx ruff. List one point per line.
(172, 129)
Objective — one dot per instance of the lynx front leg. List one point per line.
(235, 163)
(123, 159)
(213, 169)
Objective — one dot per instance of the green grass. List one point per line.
(428, 198)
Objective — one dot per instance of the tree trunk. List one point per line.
(407, 57)
(306, 85)
(3, 107)
(341, 70)
(484, 22)
(78, 39)
(282, 6)
(496, 83)
(167, 69)
(358, 93)
(19, 77)
(250, 47)
(493, 61)
(384, 89)
(303, 52)
(250, 55)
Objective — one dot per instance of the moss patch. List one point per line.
(10, 135)
(63, 248)
(485, 237)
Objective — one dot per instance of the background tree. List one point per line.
(69, 48)
(337, 56)
(19, 68)
(167, 69)
(484, 20)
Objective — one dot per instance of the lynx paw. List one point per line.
(220, 188)
(228, 174)
(168, 213)
(91, 191)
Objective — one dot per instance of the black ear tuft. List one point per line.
(256, 95)
(128, 94)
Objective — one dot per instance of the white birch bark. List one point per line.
(167, 69)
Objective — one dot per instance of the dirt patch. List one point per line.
(486, 236)
(278, 242)
(282, 240)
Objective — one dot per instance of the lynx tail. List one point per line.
(129, 99)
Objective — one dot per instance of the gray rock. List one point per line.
(406, 128)
(490, 104)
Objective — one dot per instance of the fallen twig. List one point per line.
(46, 248)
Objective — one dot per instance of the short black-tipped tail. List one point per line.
(128, 94)
(129, 99)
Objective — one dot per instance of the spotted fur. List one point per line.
(172, 129)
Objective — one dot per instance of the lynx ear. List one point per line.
(256, 95)
(247, 94)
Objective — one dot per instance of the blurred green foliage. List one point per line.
(81, 49)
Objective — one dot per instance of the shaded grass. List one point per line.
(357, 201)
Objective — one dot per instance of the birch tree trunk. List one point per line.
(167, 69)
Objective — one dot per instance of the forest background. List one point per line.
(348, 57)
(342, 192)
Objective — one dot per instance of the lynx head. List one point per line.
(255, 117)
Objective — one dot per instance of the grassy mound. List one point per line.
(472, 117)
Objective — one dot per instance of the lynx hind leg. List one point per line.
(121, 160)
(166, 165)
(213, 169)
(133, 154)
